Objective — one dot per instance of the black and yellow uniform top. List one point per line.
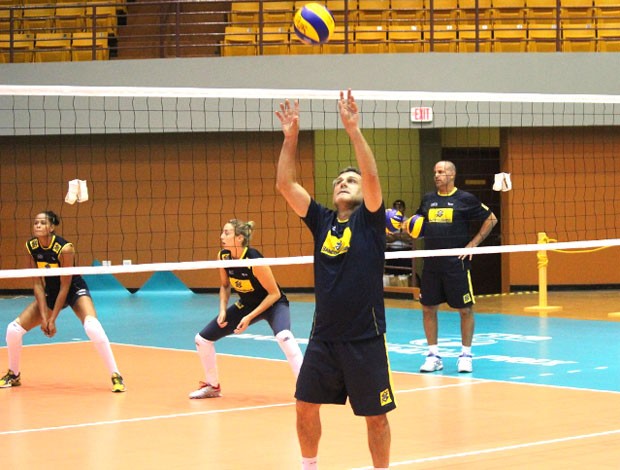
(447, 219)
(49, 257)
(349, 257)
(242, 279)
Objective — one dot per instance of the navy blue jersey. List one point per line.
(242, 279)
(49, 257)
(348, 273)
(447, 219)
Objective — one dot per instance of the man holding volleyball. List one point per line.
(448, 213)
(346, 355)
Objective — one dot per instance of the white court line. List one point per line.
(149, 418)
(184, 415)
(498, 449)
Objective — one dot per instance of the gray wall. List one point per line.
(401, 74)
(517, 72)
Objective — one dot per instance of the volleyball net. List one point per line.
(148, 176)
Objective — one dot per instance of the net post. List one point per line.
(543, 308)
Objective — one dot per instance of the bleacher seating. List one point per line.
(442, 38)
(370, 40)
(239, 41)
(577, 11)
(278, 13)
(407, 11)
(84, 44)
(468, 39)
(375, 26)
(579, 38)
(275, 40)
(373, 12)
(469, 8)
(52, 47)
(404, 38)
(69, 18)
(38, 20)
(509, 38)
(608, 37)
(543, 37)
(20, 46)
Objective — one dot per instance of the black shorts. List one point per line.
(359, 370)
(451, 285)
(72, 296)
(278, 316)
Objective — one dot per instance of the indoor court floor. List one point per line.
(544, 394)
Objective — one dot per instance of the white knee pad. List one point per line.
(284, 335)
(94, 330)
(14, 333)
(200, 341)
(291, 350)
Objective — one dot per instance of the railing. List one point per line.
(192, 28)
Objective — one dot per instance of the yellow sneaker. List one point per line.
(117, 383)
(10, 380)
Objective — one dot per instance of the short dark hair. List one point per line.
(399, 202)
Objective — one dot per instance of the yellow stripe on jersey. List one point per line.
(335, 246)
(45, 265)
(241, 285)
(441, 215)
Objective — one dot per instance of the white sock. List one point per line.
(72, 193)
(82, 191)
(433, 349)
(14, 334)
(293, 354)
(497, 184)
(95, 332)
(466, 350)
(206, 352)
(507, 183)
(309, 463)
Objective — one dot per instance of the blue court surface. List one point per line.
(549, 351)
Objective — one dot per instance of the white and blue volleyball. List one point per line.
(313, 23)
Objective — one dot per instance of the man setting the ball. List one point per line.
(346, 355)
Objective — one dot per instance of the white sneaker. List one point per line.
(464, 363)
(206, 391)
(432, 363)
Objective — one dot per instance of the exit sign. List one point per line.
(422, 114)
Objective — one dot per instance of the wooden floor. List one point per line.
(65, 417)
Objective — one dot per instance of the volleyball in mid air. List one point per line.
(393, 220)
(313, 23)
(414, 226)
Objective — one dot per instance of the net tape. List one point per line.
(294, 260)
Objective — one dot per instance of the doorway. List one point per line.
(475, 172)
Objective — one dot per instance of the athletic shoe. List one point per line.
(10, 380)
(206, 391)
(117, 383)
(464, 363)
(432, 363)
